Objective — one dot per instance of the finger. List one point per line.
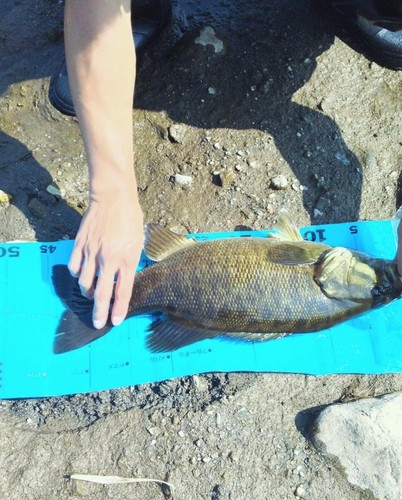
(103, 295)
(75, 264)
(87, 277)
(122, 296)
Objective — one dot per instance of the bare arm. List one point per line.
(101, 66)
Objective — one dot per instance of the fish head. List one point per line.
(388, 285)
(345, 274)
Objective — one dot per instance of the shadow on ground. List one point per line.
(271, 52)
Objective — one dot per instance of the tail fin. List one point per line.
(75, 327)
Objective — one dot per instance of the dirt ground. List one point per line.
(286, 96)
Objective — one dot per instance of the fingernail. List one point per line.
(98, 324)
(117, 320)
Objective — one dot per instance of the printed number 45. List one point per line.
(47, 249)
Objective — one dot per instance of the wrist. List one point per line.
(113, 184)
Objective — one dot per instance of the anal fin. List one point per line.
(166, 335)
(254, 337)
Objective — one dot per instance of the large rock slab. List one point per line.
(365, 438)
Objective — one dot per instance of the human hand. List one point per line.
(110, 240)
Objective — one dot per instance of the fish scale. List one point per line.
(232, 285)
(248, 288)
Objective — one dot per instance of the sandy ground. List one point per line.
(290, 97)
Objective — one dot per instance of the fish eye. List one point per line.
(378, 290)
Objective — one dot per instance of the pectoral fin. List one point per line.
(343, 277)
(159, 242)
(295, 253)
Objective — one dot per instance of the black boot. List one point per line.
(149, 18)
(379, 24)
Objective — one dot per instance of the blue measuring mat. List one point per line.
(30, 311)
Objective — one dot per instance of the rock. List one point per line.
(154, 431)
(239, 153)
(37, 208)
(317, 213)
(200, 383)
(177, 132)
(183, 180)
(5, 198)
(211, 91)
(217, 145)
(253, 163)
(248, 214)
(226, 178)
(181, 434)
(365, 438)
(265, 87)
(55, 191)
(279, 182)
(208, 38)
(342, 158)
(300, 491)
(46, 197)
(233, 456)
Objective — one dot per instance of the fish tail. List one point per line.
(75, 328)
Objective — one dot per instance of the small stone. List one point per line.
(217, 145)
(206, 459)
(317, 213)
(198, 443)
(303, 188)
(295, 186)
(218, 419)
(342, 158)
(181, 434)
(233, 456)
(46, 197)
(300, 491)
(239, 153)
(37, 208)
(279, 182)
(177, 132)
(200, 383)
(29, 421)
(253, 88)
(55, 191)
(265, 87)
(253, 163)
(5, 198)
(211, 91)
(248, 214)
(238, 168)
(226, 178)
(183, 180)
(270, 209)
(154, 431)
(175, 420)
(208, 37)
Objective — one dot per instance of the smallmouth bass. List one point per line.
(246, 288)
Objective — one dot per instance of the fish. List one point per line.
(253, 289)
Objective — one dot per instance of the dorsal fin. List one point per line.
(285, 229)
(159, 242)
